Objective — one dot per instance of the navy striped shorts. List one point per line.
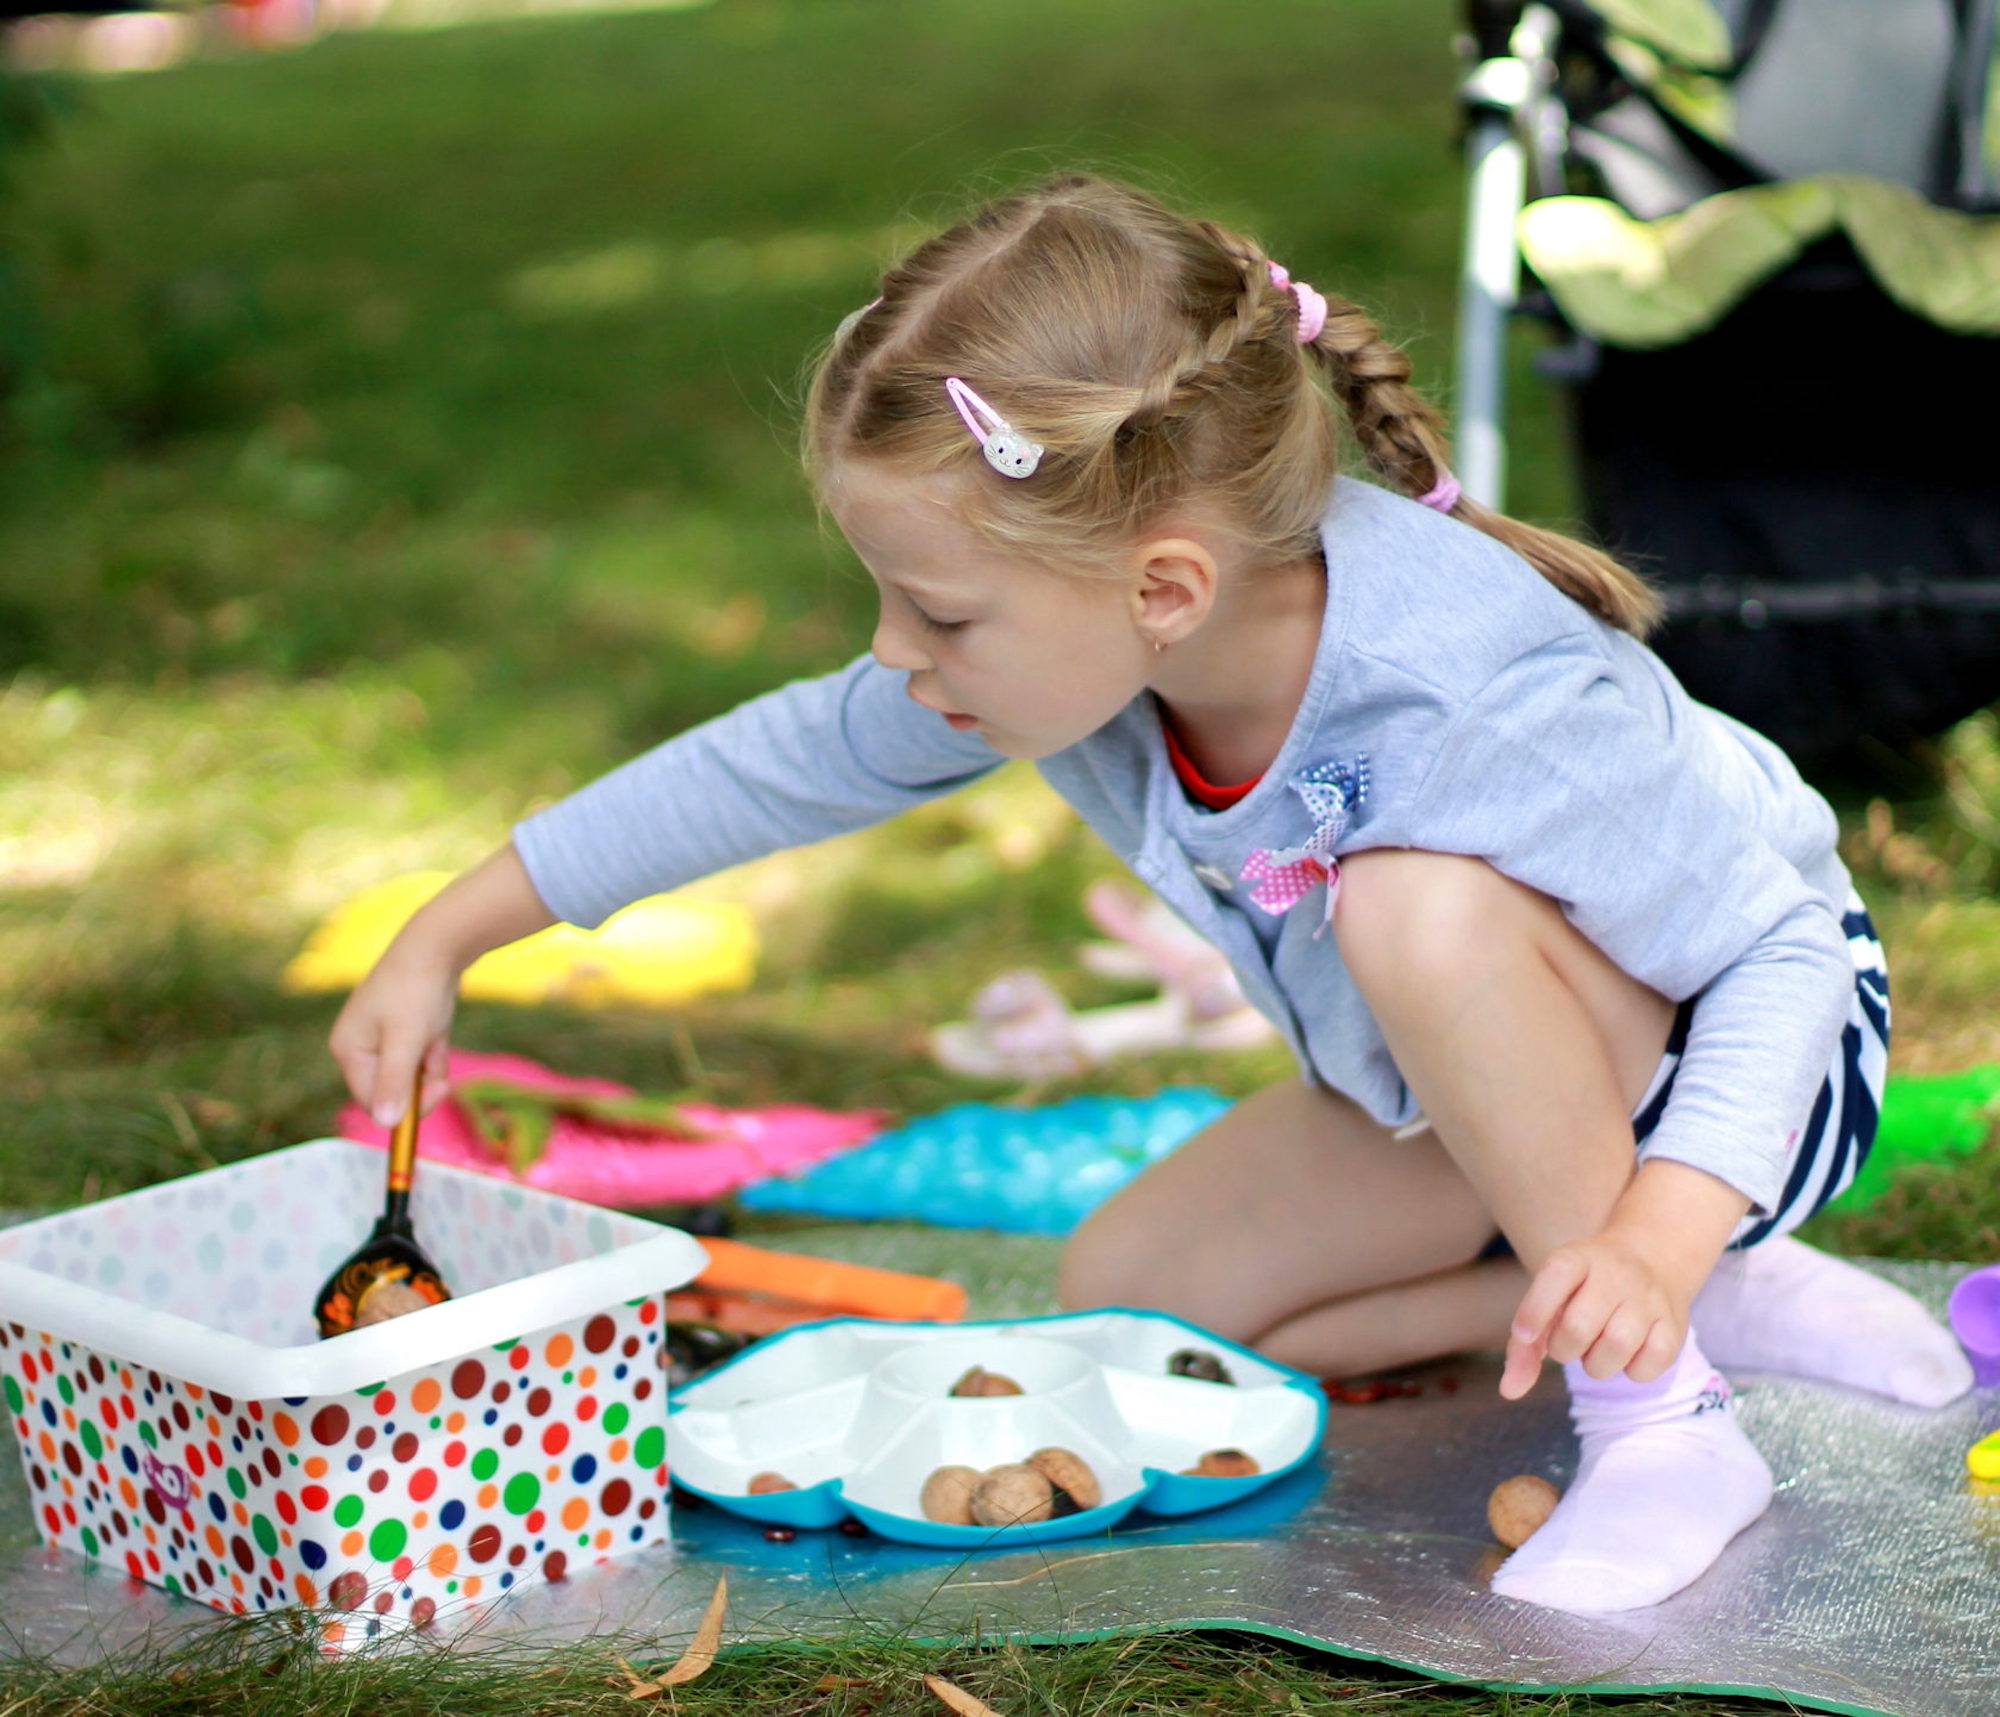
(1836, 1138)
(1843, 1123)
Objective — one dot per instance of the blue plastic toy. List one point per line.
(979, 1165)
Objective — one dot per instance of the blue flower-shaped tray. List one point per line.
(858, 1412)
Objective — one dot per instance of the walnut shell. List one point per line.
(1198, 1362)
(980, 1381)
(947, 1495)
(1070, 1473)
(763, 1484)
(1012, 1495)
(1223, 1464)
(384, 1300)
(1518, 1506)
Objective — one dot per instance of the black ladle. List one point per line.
(389, 1262)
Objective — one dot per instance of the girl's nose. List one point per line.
(894, 649)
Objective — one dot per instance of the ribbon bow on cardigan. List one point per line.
(1333, 792)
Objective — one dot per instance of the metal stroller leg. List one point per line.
(1506, 98)
(1487, 287)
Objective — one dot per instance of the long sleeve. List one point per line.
(1553, 776)
(813, 759)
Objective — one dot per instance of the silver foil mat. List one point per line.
(1873, 1584)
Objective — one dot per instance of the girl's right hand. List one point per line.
(397, 1016)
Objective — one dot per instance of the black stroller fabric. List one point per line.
(1809, 480)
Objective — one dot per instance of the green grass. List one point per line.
(412, 441)
(408, 439)
(247, 1670)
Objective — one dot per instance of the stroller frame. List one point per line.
(1517, 145)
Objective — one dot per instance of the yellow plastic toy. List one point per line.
(1982, 1460)
(655, 953)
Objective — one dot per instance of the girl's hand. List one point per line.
(1600, 1300)
(398, 1014)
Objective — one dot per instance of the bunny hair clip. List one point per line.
(1012, 454)
(1008, 451)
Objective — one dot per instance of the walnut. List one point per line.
(386, 1299)
(1518, 1506)
(1012, 1495)
(1223, 1464)
(947, 1495)
(1198, 1362)
(1070, 1474)
(980, 1381)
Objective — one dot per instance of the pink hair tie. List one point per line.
(848, 321)
(1445, 495)
(1312, 307)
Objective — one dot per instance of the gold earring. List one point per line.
(1157, 646)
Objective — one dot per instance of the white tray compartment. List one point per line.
(1174, 1421)
(1145, 1344)
(805, 1437)
(982, 1434)
(802, 1361)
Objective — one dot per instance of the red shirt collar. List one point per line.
(1201, 791)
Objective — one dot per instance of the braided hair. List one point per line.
(1158, 365)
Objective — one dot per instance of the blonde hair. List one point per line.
(1158, 366)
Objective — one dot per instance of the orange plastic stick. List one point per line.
(856, 1288)
(746, 1314)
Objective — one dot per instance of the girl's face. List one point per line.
(1035, 660)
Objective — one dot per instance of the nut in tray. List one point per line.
(857, 1417)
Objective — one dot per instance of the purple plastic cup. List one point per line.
(1974, 1309)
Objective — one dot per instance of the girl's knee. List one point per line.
(1423, 914)
(1125, 1254)
(1101, 1265)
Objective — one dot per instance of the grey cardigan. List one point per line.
(1498, 718)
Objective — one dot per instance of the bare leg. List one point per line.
(1454, 1311)
(1491, 1003)
(1292, 1199)
(1476, 984)
(1297, 1225)
(1589, 1035)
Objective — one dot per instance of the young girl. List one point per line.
(1516, 902)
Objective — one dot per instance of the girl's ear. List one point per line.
(1174, 587)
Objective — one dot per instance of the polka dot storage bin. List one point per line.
(178, 1417)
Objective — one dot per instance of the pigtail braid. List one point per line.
(1202, 365)
(1157, 363)
(1400, 433)
(1402, 436)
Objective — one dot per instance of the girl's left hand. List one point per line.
(1600, 1300)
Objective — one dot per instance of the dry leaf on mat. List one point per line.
(958, 1699)
(692, 1662)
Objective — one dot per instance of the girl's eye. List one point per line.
(931, 625)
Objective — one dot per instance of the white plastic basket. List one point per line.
(177, 1415)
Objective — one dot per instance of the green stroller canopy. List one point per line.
(1639, 283)
(1776, 124)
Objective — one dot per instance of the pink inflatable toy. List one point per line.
(629, 1168)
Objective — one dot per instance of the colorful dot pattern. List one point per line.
(377, 1508)
(244, 1248)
